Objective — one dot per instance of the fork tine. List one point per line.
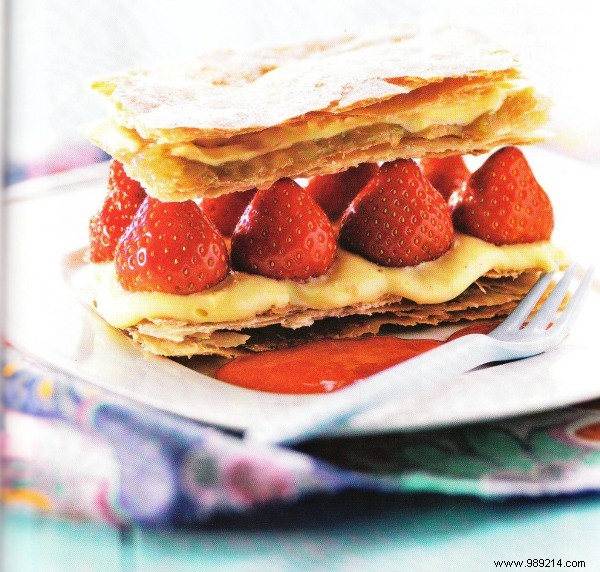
(516, 318)
(548, 309)
(574, 305)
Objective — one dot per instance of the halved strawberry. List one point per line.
(503, 202)
(446, 174)
(283, 234)
(225, 211)
(398, 219)
(172, 248)
(333, 193)
(120, 205)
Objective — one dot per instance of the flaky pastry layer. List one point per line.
(221, 94)
(487, 298)
(202, 129)
(172, 178)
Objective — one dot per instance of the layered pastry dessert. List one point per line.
(258, 200)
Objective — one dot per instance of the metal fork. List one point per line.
(514, 339)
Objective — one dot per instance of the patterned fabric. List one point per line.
(70, 449)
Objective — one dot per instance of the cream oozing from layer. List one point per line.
(350, 280)
(252, 145)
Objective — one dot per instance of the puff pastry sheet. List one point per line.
(376, 83)
(489, 297)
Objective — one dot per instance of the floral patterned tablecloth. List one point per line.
(74, 450)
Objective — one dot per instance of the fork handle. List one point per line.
(414, 376)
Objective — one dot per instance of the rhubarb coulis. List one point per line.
(322, 366)
(327, 365)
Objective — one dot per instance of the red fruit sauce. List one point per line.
(303, 369)
(327, 365)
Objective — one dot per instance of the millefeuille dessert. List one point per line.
(261, 199)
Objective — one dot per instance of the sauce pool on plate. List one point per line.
(322, 366)
(327, 365)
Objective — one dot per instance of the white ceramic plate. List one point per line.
(47, 220)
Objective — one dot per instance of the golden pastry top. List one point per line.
(226, 93)
(231, 121)
(461, 107)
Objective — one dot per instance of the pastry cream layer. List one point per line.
(351, 280)
(462, 112)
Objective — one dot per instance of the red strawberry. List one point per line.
(333, 193)
(446, 174)
(398, 219)
(503, 202)
(283, 234)
(225, 211)
(120, 205)
(172, 248)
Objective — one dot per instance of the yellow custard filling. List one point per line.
(351, 280)
(114, 138)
